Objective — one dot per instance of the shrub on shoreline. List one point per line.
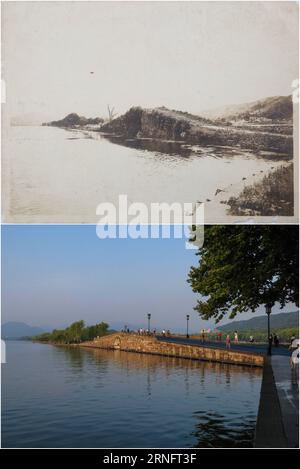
(77, 332)
(272, 196)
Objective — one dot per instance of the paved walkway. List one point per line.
(278, 415)
(287, 385)
(254, 348)
(269, 431)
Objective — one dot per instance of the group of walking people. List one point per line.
(228, 339)
(154, 332)
(219, 337)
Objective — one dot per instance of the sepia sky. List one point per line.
(189, 56)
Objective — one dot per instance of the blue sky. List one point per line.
(55, 274)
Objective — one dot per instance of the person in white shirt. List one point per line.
(294, 347)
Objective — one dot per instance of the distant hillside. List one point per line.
(16, 330)
(154, 123)
(166, 124)
(274, 108)
(73, 120)
(278, 321)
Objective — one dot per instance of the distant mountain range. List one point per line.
(278, 321)
(18, 330)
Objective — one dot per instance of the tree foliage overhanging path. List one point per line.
(244, 266)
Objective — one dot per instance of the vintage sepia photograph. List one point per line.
(162, 101)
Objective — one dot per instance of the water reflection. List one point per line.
(212, 432)
(211, 428)
(94, 169)
(76, 397)
(77, 360)
(186, 150)
(155, 146)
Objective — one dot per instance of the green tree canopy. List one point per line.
(244, 266)
(75, 333)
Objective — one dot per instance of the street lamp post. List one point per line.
(149, 317)
(187, 326)
(268, 311)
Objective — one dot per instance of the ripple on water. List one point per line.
(148, 171)
(61, 397)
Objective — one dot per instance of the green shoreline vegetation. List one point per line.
(74, 334)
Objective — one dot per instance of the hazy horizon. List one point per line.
(33, 118)
(119, 325)
(62, 57)
(54, 275)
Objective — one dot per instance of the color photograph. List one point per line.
(150, 229)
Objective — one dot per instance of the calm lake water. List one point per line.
(59, 176)
(62, 397)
